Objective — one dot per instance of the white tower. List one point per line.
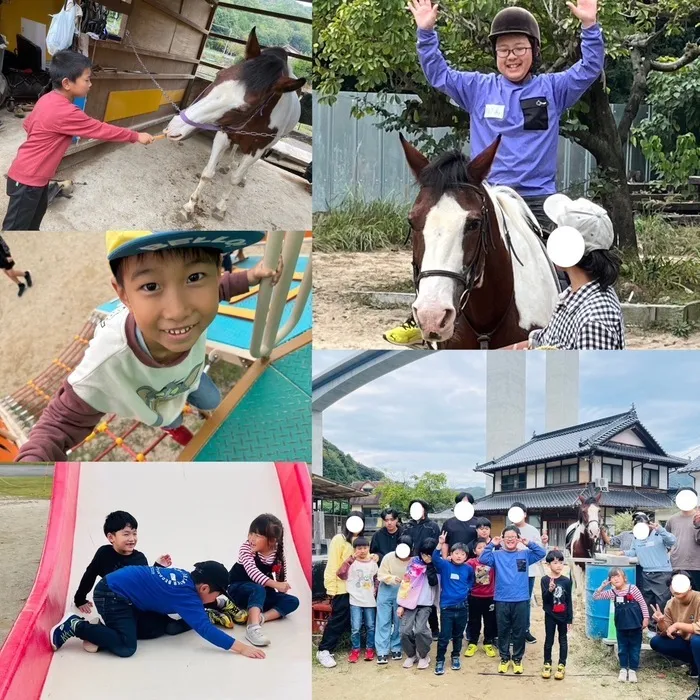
(562, 389)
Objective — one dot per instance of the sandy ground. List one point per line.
(22, 529)
(130, 186)
(591, 672)
(342, 321)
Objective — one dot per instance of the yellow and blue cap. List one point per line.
(123, 244)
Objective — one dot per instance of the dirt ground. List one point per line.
(591, 673)
(22, 530)
(130, 186)
(342, 321)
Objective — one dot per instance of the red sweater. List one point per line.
(50, 128)
(484, 579)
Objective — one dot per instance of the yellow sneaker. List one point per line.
(518, 667)
(470, 650)
(489, 650)
(219, 617)
(547, 671)
(239, 616)
(503, 666)
(407, 333)
(559, 675)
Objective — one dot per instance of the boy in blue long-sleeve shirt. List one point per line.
(512, 594)
(456, 582)
(653, 558)
(123, 594)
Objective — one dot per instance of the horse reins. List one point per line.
(471, 272)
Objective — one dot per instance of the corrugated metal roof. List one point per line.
(538, 499)
(576, 440)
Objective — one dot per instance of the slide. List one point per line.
(192, 512)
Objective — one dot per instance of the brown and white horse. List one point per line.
(482, 276)
(582, 537)
(251, 105)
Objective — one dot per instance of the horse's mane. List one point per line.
(447, 172)
(263, 71)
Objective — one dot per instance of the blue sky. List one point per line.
(431, 415)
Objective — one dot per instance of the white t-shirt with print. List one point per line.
(361, 583)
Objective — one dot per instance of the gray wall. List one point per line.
(355, 158)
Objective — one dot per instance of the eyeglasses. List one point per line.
(518, 51)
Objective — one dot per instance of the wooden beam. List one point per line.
(110, 45)
(266, 13)
(171, 13)
(291, 54)
(113, 75)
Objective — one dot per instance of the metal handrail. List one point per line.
(271, 300)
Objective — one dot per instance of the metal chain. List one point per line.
(225, 129)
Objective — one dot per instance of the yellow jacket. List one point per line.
(338, 551)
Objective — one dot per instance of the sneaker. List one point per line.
(410, 660)
(622, 676)
(181, 434)
(456, 663)
(28, 278)
(439, 668)
(517, 666)
(21, 288)
(219, 617)
(396, 656)
(470, 650)
(503, 666)
(559, 675)
(254, 634)
(407, 333)
(529, 638)
(90, 647)
(325, 658)
(235, 613)
(424, 663)
(436, 636)
(354, 656)
(369, 655)
(489, 650)
(547, 671)
(631, 676)
(383, 659)
(64, 630)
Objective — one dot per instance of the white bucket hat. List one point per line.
(583, 216)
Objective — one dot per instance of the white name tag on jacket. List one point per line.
(454, 577)
(494, 111)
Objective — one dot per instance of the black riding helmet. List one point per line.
(517, 20)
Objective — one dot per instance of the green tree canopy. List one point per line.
(430, 487)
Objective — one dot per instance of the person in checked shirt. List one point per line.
(588, 315)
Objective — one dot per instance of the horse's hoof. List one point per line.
(219, 214)
(184, 215)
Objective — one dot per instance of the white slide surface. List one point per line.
(194, 512)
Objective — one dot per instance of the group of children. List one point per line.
(136, 601)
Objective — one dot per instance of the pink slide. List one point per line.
(192, 511)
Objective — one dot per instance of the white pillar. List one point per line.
(562, 389)
(317, 442)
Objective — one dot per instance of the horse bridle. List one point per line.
(471, 272)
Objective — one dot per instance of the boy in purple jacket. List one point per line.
(517, 103)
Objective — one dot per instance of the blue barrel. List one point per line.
(598, 615)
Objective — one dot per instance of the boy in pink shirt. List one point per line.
(481, 604)
(50, 129)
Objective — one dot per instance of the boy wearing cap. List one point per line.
(147, 358)
(652, 555)
(122, 596)
(678, 626)
(588, 315)
(517, 103)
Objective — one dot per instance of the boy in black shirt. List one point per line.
(558, 613)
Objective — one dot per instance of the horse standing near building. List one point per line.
(582, 537)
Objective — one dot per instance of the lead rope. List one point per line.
(212, 127)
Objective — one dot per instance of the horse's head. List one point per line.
(589, 514)
(451, 222)
(247, 86)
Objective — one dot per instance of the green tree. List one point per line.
(343, 469)
(430, 487)
(370, 46)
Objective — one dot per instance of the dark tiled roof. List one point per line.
(566, 498)
(634, 452)
(694, 466)
(578, 439)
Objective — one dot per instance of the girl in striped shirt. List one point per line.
(631, 617)
(258, 579)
